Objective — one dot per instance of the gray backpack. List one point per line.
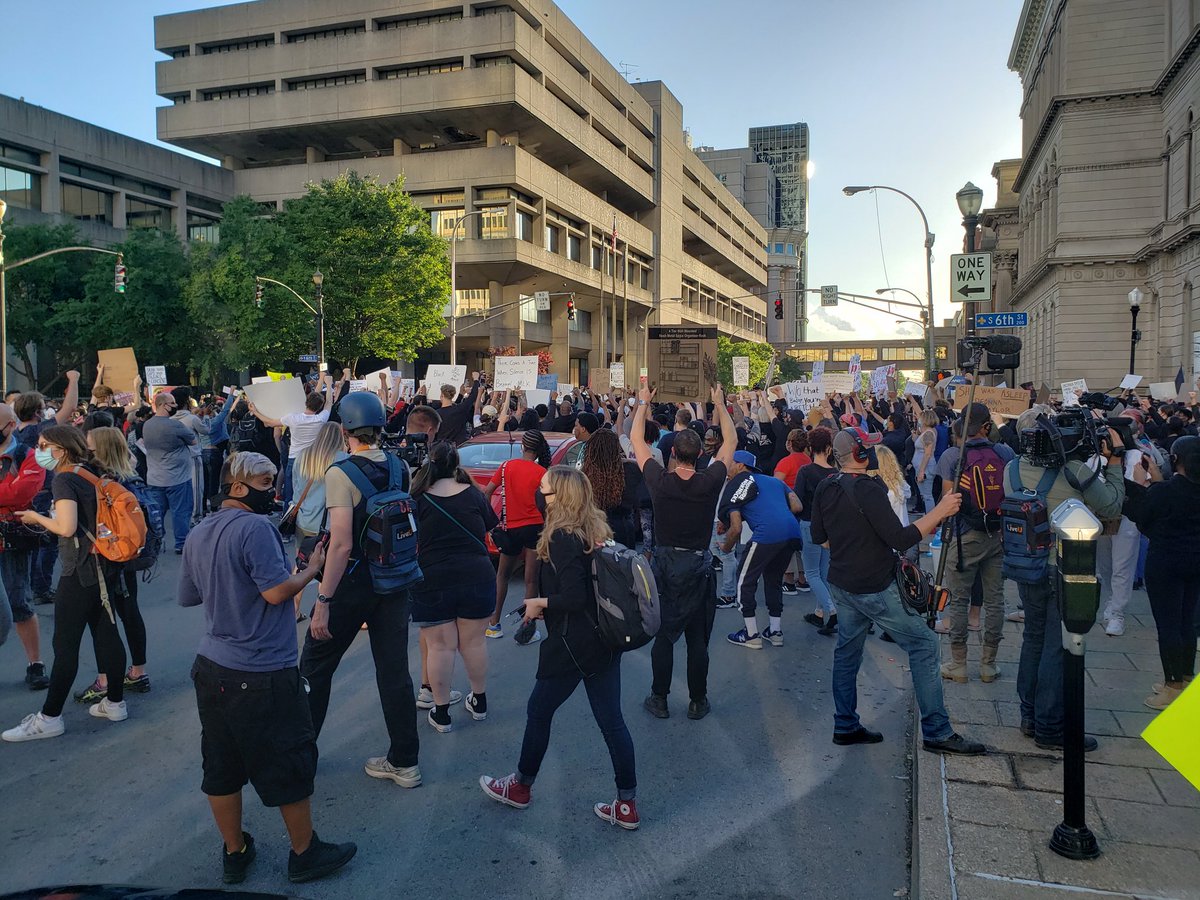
(627, 610)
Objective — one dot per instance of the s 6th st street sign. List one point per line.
(1001, 320)
(970, 277)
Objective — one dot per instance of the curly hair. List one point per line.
(820, 439)
(603, 465)
(573, 510)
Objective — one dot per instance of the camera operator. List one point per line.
(1078, 448)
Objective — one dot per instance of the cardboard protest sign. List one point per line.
(1071, 391)
(1043, 394)
(1001, 401)
(616, 376)
(741, 371)
(1129, 382)
(547, 383)
(438, 375)
(519, 372)
(120, 369)
(1163, 390)
(683, 361)
(564, 388)
(838, 383)
(600, 381)
(156, 375)
(276, 399)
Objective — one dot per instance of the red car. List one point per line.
(482, 455)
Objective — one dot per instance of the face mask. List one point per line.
(260, 501)
(45, 458)
(539, 500)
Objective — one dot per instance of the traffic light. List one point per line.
(258, 292)
(936, 375)
(119, 277)
(779, 307)
(570, 309)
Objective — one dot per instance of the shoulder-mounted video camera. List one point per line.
(1003, 352)
(1077, 433)
(412, 448)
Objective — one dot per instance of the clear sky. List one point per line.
(914, 94)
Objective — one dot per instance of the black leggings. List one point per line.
(77, 607)
(1174, 592)
(126, 606)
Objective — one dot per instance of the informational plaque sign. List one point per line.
(683, 361)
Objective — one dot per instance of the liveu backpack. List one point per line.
(120, 523)
(982, 486)
(1025, 533)
(386, 532)
(627, 611)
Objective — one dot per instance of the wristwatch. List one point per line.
(321, 598)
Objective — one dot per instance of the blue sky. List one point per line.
(914, 94)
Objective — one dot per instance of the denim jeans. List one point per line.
(913, 636)
(1040, 674)
(816, 569)
(178, 499)
(604, 695)
(727, 580)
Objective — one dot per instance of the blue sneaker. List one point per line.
(741, 639)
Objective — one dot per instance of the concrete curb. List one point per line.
(931, 870)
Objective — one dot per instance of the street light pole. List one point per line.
(318, 280)
(1135, 304)
(454, 282)
(970, 200)
(856, 189)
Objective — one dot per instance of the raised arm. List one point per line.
(70, 400)
(641, 450)
(728, 432)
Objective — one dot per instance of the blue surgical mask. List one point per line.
(45, 458)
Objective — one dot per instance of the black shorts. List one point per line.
(524, 538)
(468, 601)
(256, 728)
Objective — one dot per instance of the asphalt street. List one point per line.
(753, 801)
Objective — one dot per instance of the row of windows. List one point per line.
(320, 34)
(20, 190)
(202, 229)
(20, 154)
(104, 177)
(392, 24)
(843, 354)
(417, 71)
(246, 90)
(234, 46)
(324, 81)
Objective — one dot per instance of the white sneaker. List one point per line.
(106, 709)
(34, 727)
(1115, 626)
(425, 698)
(407, 776)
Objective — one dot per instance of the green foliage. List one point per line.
(788, 370)
(760, 360)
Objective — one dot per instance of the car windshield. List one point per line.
(488, 455)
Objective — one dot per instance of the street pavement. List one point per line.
(984, 823)
(753, 801)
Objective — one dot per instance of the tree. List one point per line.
(788, 370)
(387, 276)
(760, 360)
(36, 291)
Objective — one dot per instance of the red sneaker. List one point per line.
(507, 790)
(619, 812)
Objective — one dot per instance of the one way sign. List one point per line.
(970, 277)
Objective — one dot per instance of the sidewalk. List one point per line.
(981, 825)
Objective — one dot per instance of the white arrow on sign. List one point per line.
(970, 277)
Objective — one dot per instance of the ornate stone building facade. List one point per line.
(1106, 195)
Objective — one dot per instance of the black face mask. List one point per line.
(260, 501)
(539, 500)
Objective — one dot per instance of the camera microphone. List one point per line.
(1003, 344)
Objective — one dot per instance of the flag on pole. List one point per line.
(614, 236)
(1179, 380)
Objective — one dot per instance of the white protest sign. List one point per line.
(616, 376)
(878, 381)
(1163, 390)
(407, 386)
(564, 388)
(915, 389)
(261, 379)
(372, 380)
(818, 370)
(440, 374)
(276, 399)
(516, 372)
(536, 396)
(803, 395)
(1129, 382)
(360, 384)
(741, 371)
(1071, 391)
(838, 383)
(156, 375)
(855, 369)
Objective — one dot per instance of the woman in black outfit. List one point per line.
(572, 651)
(1168, 512)
(77, 601)
(452, 605)
(614, 481)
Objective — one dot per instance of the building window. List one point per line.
(140, 214)
(332, 31)
(493, 10)
(233, 93)
(942, 351)
(417, 21)
(20, 190)
(215, 206)
(267, 40)
(442, 198)
(902, 353)
(808, 354)
(324, 81)
(473, 301)
(488, 62)
(20, 154)
(86, 204)
(582, 321)
(418, 71)
(597, 257)
(493, 224)
(100, 175)
(553, 239)
(180, 99)
(525, 225)
(843, 354)
(202, 229)
(575, 247)
(179, 52)
(791, 249)
(441, 223)
(645, 279)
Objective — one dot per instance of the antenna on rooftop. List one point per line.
(626, 69)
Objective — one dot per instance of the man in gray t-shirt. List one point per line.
(167, 444)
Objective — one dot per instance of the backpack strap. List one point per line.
(1046, 482)
(355, 469)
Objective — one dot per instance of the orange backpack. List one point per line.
(120, 523)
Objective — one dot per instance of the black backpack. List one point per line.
(244, 437)
(627, 611)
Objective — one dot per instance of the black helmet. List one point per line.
(1185, 454)
(361, 409)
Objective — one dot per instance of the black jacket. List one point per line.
(572, 643)
(1167, 512)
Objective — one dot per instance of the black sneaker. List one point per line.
(35, 676)
(656, 706)
(697, 709)
(956, 743)
(726, 602)
(1089, 743)
(93, 693)
(43, 599)
(830, 628)
(860, 735)
(140, 685)
(319, 860)
(814, 620)
(1027, 727)
(789, 590)
(717, 565)
(236, 864)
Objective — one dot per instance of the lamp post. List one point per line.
(1135, 304)
(970, 200)
(851, 190)
(454, 282)
(318, 279)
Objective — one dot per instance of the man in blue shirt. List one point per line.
(769, 507)
(254, 715)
